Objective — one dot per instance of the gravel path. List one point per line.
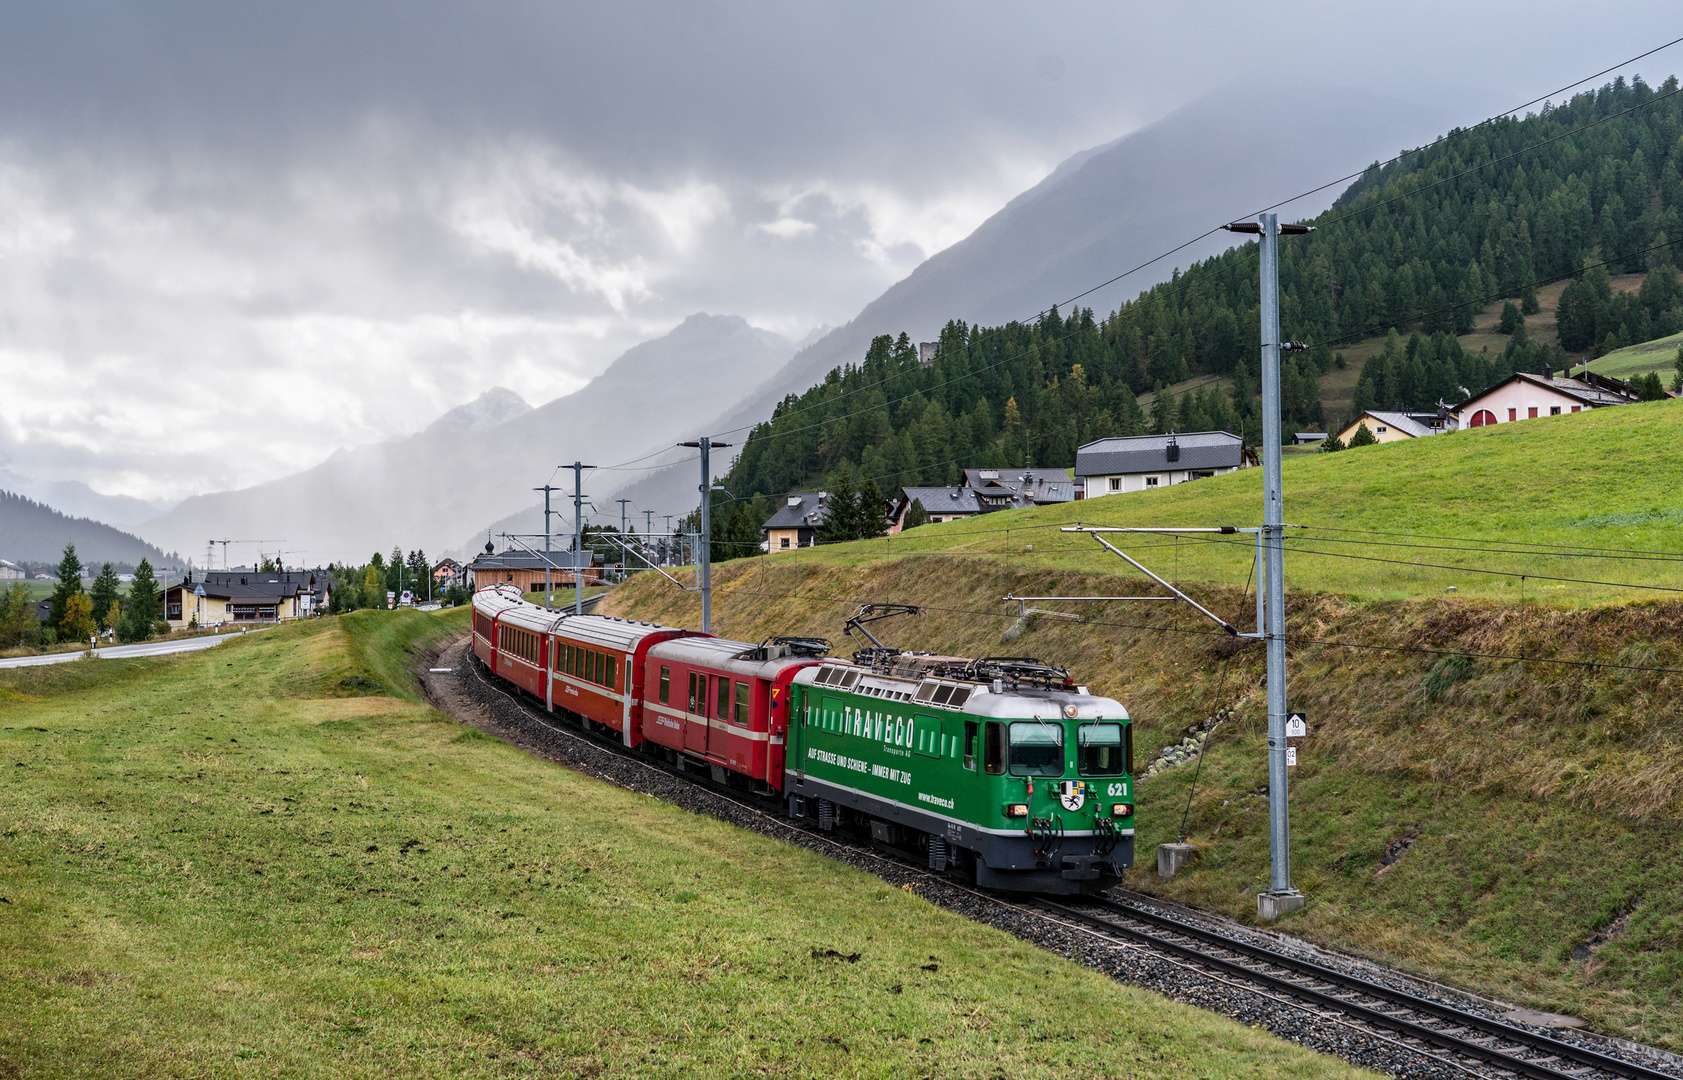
(462, 692)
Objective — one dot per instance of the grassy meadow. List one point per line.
(1558, 497)
(272, 859)
(1658, 355)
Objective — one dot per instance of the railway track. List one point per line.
(1467, 1043)
(1466, 1035)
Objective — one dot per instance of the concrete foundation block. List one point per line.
(1271, 906)
(1172, 858)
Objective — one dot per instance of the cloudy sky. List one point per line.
(234, 238)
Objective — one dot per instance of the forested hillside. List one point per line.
(1414, 248)
(33, 532)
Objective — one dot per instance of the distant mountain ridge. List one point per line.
(34, 532)
(1100, 212)
(480, 461)
(76, 499)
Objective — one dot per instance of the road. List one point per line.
(117, 652)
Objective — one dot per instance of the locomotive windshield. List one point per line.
(1037, 749)
(1101, 749)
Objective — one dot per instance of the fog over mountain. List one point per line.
(480, 461)
(1100, 213)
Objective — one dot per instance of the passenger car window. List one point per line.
(612, 681)
(1037, 748)
(692, 689)
(722, 690)
(665, 684)
(1099, 750)
(741, 715)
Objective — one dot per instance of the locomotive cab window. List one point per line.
(1037, 748)
(741, 705)
(1101, 749)
(993, 749)
(970, 745)
(665, 685)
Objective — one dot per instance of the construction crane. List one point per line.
(210, 548)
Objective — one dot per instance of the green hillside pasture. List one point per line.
(212, 866)
(1658, 355)
(1506, 826)
(1584, 489)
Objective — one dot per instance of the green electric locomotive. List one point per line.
(1001, 768)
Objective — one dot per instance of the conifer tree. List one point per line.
(1362, 437)
(915, 515)
(69, 584)
(141, 614)
(104, 593)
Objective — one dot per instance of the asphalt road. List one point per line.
(116, 652)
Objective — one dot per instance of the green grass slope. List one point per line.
(246, 863)
(1597, 486)
(1658, 355)
(1508, 826)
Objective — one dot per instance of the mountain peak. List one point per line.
(492, 407)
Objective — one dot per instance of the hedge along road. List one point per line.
(118, 652)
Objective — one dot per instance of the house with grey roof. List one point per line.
(1146, 462)
(797, 521)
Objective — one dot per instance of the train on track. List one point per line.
(1000, 770)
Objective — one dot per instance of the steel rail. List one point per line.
(1380, 1015)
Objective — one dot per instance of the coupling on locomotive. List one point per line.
(1000, 769)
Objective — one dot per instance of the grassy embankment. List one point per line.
(1658, 355)
(1505, 825)
(272, 860)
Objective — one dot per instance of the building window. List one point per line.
(1513, 414)
(783, 543)
(1531, 412)
(1116, 483)
(1381, 429)
(1151, 481)
(1554, 410)
(1575, 408)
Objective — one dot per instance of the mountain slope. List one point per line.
(33, 532)
(480, 462)
(76, 499)
(1101, 212)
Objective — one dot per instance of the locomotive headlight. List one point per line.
(1121, 809)
(1016, 809)
(1069, 711)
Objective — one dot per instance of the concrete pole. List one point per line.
(578, 536)
(548, 585)
(1280, 897)
(704, 552)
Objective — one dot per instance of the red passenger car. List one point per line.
(488, 604)
(596, 669)
(724, 702)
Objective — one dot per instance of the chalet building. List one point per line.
(797, 521)
(446, 573)
(984, 491)
(526, 570)
(1396, 426)
(942, 504)
(220, 597)
(11, 571)
(1146, 462)
(1525, 396)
